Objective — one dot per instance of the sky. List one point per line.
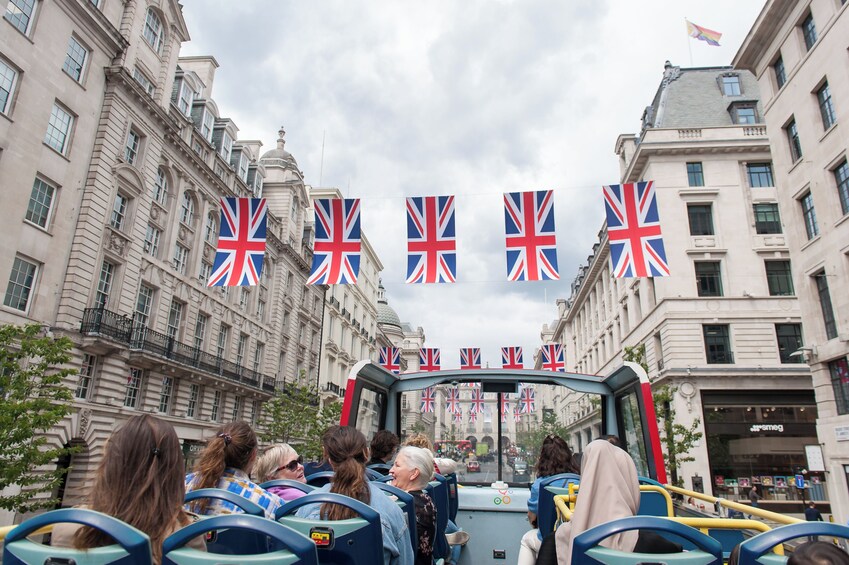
(386, 100)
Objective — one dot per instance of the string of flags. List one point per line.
(553, 359)
(526, 403)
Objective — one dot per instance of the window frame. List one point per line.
(160, 187)
(695, 174)
(809, 215)
(180, 259)
(783, 343)
(841, 181)
(779, 280)
(207, 124)
(166, 394)
(723, 340)
(755, 176)
(826, 304)
(185, 98)
(152, 237)
(700, 219)
(157, 38)
(839, 372)
(44, 217)
(132, 146)
(791, 130)
(120, 211)
(85, 382)
(708, 282)
(175, 319)
(52, 140)
(215, 406)
(105, 280)
(809, 31)
(30, 17)
(201, 324)
(731, 82)
(144, 304)
(6, 106)
(26, 286)
(132, 394)
(74, 44)
(737, 111)
(826, 106)
(194, 396)
(144, 81)
(780, 72)
(187, 209)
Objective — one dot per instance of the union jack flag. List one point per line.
(428, 359)
(470, 358)
(516, 415)
(505, 408)
(452, 401)
(431, 240)
(476, 404)
(390, 359)
(458, 417)
(473, 416)
(633, 229)
(527, 400)
(428, 399)
(511, 358)
(241, 242)
(553, 358)
(531, 245)
(336, 251)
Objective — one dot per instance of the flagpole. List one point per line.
(689, 41)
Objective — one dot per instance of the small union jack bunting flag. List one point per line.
(527, 400)
(431, 240)
(452, 400)
(336, 251)
(511, 358)
(470, 358)
(516, 415)
(473, 416)
(476, 404)
(633, 229)
(241, 242)
(505, 406)
(531, 245)
(428, 400)
(553, 358)
(428, 359)
(390, 359)
(458, 417)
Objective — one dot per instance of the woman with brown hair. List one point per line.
(226, 463)
(346, 450)
(140, 482)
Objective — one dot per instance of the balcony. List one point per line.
(334, 388)
(98, 321)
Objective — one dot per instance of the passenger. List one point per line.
(281, 461)
(419, 440)
(384, 444)
(412, 470)
(346, 450)
(818, 553)
(140, 482)
(226, 463)
(555, 457)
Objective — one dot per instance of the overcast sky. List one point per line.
(473, 98)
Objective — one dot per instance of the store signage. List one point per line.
(815, 458)
(755, 428)
(841, 433)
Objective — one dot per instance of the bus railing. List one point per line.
(730, 504)
(4, 531)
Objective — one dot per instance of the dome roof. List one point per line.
(385, 314)
(280, 154)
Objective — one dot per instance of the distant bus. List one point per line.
(461, 445)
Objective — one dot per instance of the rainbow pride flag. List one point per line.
(703, 33)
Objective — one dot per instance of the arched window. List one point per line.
(154, 33)
(160, 188)
(187, 209)
(211, 230)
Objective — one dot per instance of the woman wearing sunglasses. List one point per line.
(281, 461)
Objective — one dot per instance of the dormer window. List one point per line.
(153, 31)
(206, 125)
(731, 85)
(243, 166)
(743, 113)
(187, 96)
(225, 148)
(255, 181)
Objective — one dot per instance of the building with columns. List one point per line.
(797, 52)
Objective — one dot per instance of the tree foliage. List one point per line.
(531, 441)
(33, 399)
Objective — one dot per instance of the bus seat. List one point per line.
(382, 468)
(303, 487)
(648, 481)
(290, 546)
(755, 550)
(345, 542)
(586, 550)
(655, 501)
(453, 496)
(408, 505)
(548, 488)
(320, 479)
(438, 491)
(374, 475)
(237, 542)
(133, 546)
(384, 479)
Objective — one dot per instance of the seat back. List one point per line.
(289, 483)
(382, 468)
(320, 479)
(408, 505)
(290, 546)
(453, 496)
(237, 542)
(655, 501)
(546, 512)
(586, 551)
(374, 475)
(347, 542)
(438, 491)
(755, 550)
(133, 546)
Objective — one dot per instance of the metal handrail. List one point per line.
(745, 508)
(4, 531)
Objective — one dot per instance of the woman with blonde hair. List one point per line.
(419, 440)
(140, 482)
(281, 461)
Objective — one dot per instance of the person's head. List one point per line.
(818, 553)
(384, 444)
(233, 446)
(419, 440)
(445, 466)
(612, 439)
(812, 505)
(346, 450)
(555, 457)
(280, 461)
(140, 481)
(413, 468)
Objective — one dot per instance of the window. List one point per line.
(826, 106)
(825, 305)
(221, 346)
(40, 203)
(86, 376)
(789, 338)
(20, 14)
(708, 278)
(20, 284)
(695, 176)
(701, 219)
(153, 32)
(145, 82)
(779, 278)
(793, 139)
(294, 211)
(760, 174)
(134, 383)
(240, 349)
(144, 302)
(811, 226)
(809, 31)
(731, 85)
(717, 344)
(8, 78)
(207, 124)
(194, 393)
(160, 187)
(841, 178)
(119, 212)
(243, 166)
(181, 258)
(175, 315)
(226, 146)
(216, 404)
(253, 414)
(75, 59)
(744, 114)
(260, 310)
(200, 330)
(187, 209)
(104, 285)
(131, 149)
(58, 129)
(244, 298)
(205, 271)
(258, 354)
(187, 97)
(211, 231)
(780, 72)
(839, 369)
(165, 394)
(237, 408)
(151, 240)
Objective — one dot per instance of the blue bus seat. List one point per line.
(438, 491)
(374, 475)
(648, 481)
(408, 505)
(548, 488)
(133, 545)
(291, 546)
(236, 542)
(303, 487)
(586, 551)
(382, 468)
(655, 501)
(453, 496)
(345, 542)
(756, 550)
(320, 479)
(384, 479)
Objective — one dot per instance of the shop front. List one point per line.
(191, 452)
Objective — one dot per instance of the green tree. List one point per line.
(677, 440)
(33, 399)
(531, 441)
